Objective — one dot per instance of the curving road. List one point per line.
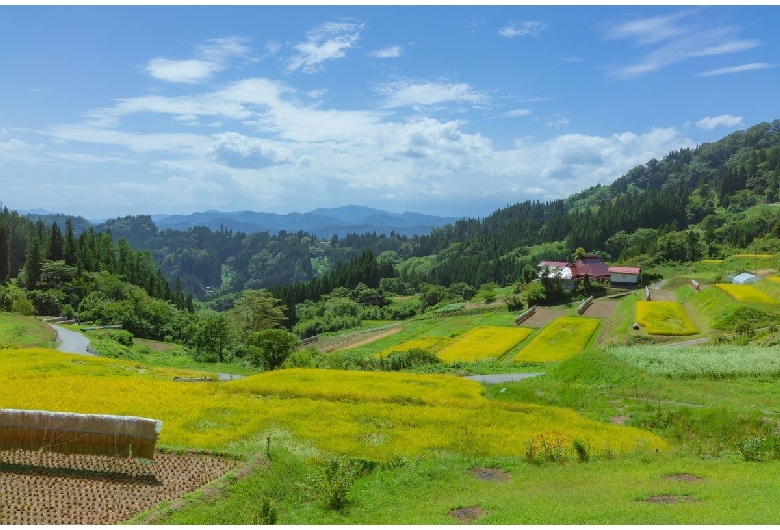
(502, 378)
(71, 341)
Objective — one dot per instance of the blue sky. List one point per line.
(449, 110)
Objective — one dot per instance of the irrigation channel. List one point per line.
(74, 342)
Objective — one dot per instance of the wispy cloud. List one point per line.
(736, 69)
(211, 58)
(572, 59)
(724, 120)
(673, 39)
(387, 53)
(328, 41)
(522, 29)
(412, 94)
(516, 113)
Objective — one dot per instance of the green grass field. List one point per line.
(21, 331)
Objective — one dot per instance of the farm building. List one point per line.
(745, 278)
(624, 275)
(571, 274)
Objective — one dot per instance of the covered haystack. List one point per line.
(86, 434)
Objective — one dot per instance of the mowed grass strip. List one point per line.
(561, 339)
(483, 342)
(745, 293)
(365, 414)
(664, 318)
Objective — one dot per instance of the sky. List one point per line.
(107, 111)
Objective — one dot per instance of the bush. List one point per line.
(336, 481)
(409, 359)
(266, 515)
(514, 303)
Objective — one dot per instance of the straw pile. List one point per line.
(86, 434)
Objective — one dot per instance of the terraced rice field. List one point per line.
(560, 340)
(664, 318)
(745, 293)
(484, 342)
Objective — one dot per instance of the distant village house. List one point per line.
(571, 274)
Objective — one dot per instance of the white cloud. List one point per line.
(572, 59)
(328, 41)
(724, 120)
(737, 69)
(387, 53)
(516, 113)
(214, 57)
(522, 29)
(411, 94)
(237, 150)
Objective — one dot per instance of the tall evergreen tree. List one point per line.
(5, 253)
(34, 263)
(56, 243)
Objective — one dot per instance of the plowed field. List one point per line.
(74, 489)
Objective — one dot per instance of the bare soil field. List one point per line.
(353, 340)
(542, 317)
(51, 488)
(657, 295)
(601, 308)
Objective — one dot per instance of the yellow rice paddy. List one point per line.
(374, 415)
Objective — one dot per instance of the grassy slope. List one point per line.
(24, 331)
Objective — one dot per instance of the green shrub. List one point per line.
(751, 448)
(336, 481)
(581, 450)
(267, 513)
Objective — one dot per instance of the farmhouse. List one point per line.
(628, 276)
(571, 274)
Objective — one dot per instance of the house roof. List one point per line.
(625, 270)
(591, 265)
(551, 264)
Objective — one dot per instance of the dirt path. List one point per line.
(369, 340)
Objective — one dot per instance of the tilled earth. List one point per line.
(51, 488)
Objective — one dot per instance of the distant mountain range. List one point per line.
(322, 222)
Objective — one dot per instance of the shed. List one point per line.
(624, 275)
(745, 278)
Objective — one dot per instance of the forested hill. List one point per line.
(691, 204)
(700, 201)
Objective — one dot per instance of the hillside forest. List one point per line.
(248, 298)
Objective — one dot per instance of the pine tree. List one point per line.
(5, 253)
